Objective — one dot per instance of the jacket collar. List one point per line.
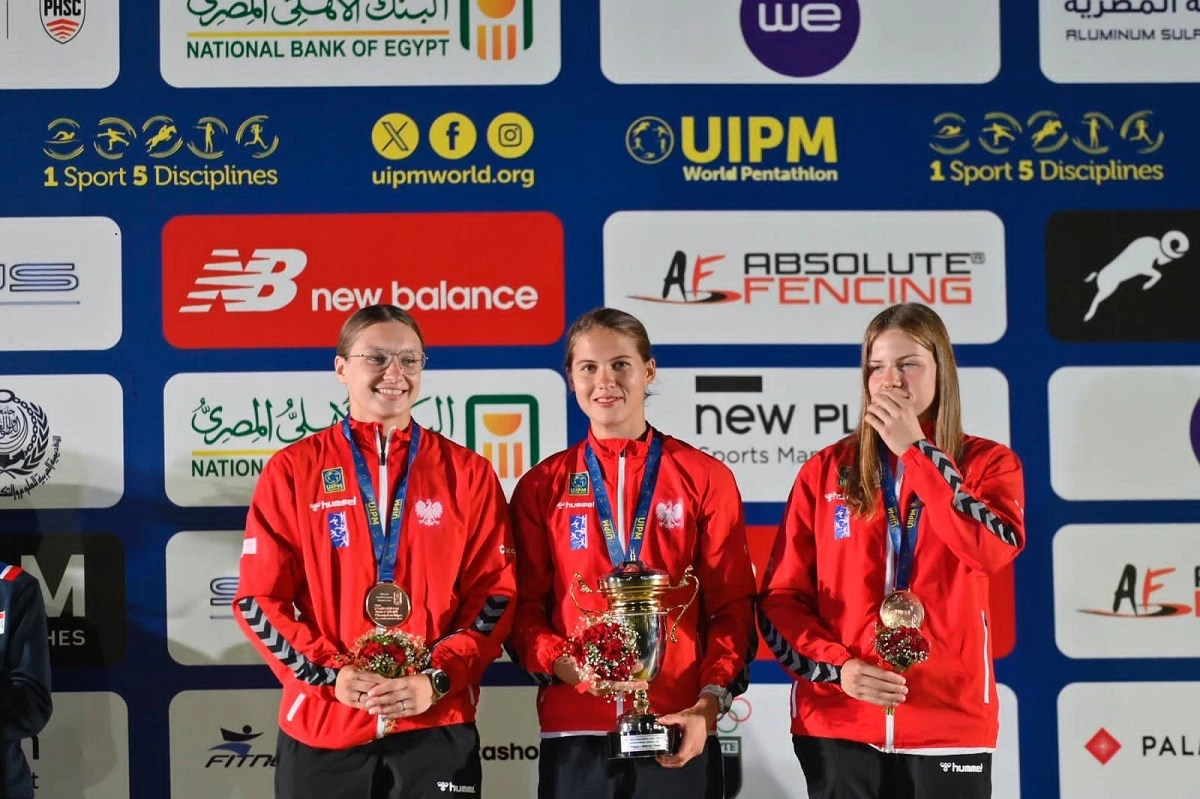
(368, 435)
(613, 447)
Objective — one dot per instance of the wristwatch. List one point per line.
(721, 694)
(440, 681)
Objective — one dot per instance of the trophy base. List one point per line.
(642, 736)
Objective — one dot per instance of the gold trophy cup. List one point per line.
(634, 593)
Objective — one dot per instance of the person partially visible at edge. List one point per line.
(310, 556)
(693, 517)
(957, 519)
(25, 702)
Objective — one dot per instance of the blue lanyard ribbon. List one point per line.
(387, 543)
(904, 539)
(604, 508)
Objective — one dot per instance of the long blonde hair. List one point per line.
(927, 329)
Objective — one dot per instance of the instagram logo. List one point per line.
(510, 135)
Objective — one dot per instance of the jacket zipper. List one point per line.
(380, 723)
(619, 707)
(987, 665)
(383, 476)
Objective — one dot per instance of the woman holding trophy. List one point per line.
(376, 580)
(609, 532)
(876, 596)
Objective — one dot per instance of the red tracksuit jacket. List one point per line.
(306, 570)
(826, 580)
(695, 519)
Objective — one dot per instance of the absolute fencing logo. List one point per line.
(1132, 598)
(724, 277)
(1122, 275)
(1127, 591)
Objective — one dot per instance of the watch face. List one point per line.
(441, 681)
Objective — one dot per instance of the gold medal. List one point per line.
(388, 605)
(901, 609)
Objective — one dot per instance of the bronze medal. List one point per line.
(902, 609)
(388, 605)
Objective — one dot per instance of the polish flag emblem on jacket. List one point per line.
(429, 512)
(669, 514)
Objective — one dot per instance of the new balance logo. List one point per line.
(444, 786)
(265, 282)
(959, 768)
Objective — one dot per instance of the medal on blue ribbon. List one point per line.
(901, 608)
(387, 604)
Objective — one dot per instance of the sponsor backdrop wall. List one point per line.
(198, 192)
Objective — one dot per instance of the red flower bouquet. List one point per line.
(604, 650)
(901, 648)
(391, 653)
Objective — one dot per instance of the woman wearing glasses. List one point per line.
(377, 523)
(667, 505)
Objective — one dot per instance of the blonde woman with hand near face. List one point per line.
(692, 515)
(907, 513)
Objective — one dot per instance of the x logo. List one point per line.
(395, 136)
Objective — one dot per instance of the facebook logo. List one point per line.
(578, 532)
(452, 134)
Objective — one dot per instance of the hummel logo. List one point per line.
(445, 785)
(961, 769)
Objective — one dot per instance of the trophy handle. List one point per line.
(579, 583)
(689, 577)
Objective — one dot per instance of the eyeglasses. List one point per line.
(409, 361)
